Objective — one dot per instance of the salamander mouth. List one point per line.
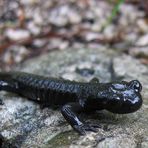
(126, 106)
(136, 105)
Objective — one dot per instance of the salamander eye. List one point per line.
(136, 85)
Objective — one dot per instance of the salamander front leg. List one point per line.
(70, 112)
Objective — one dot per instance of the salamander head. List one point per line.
(123, 97)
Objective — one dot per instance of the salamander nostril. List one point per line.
(136, 85)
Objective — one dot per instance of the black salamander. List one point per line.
(75, 97)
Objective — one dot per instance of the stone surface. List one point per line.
(23, 124)
(143, 41)
(141, 52)
(16, 35)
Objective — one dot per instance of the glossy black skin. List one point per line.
(75, 97)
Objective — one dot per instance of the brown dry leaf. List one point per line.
(144, 61)
(21, 17)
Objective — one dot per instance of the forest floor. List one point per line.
(29, 28)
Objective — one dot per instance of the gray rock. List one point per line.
(141, 52)
(18, 34)
(142, 41)
(23, 124)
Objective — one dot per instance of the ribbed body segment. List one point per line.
(51, 91)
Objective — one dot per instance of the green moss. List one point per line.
(63, 139)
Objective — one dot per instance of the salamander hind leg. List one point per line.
(7, 86)
(1, 102)
(2, 85)
(70, 112)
